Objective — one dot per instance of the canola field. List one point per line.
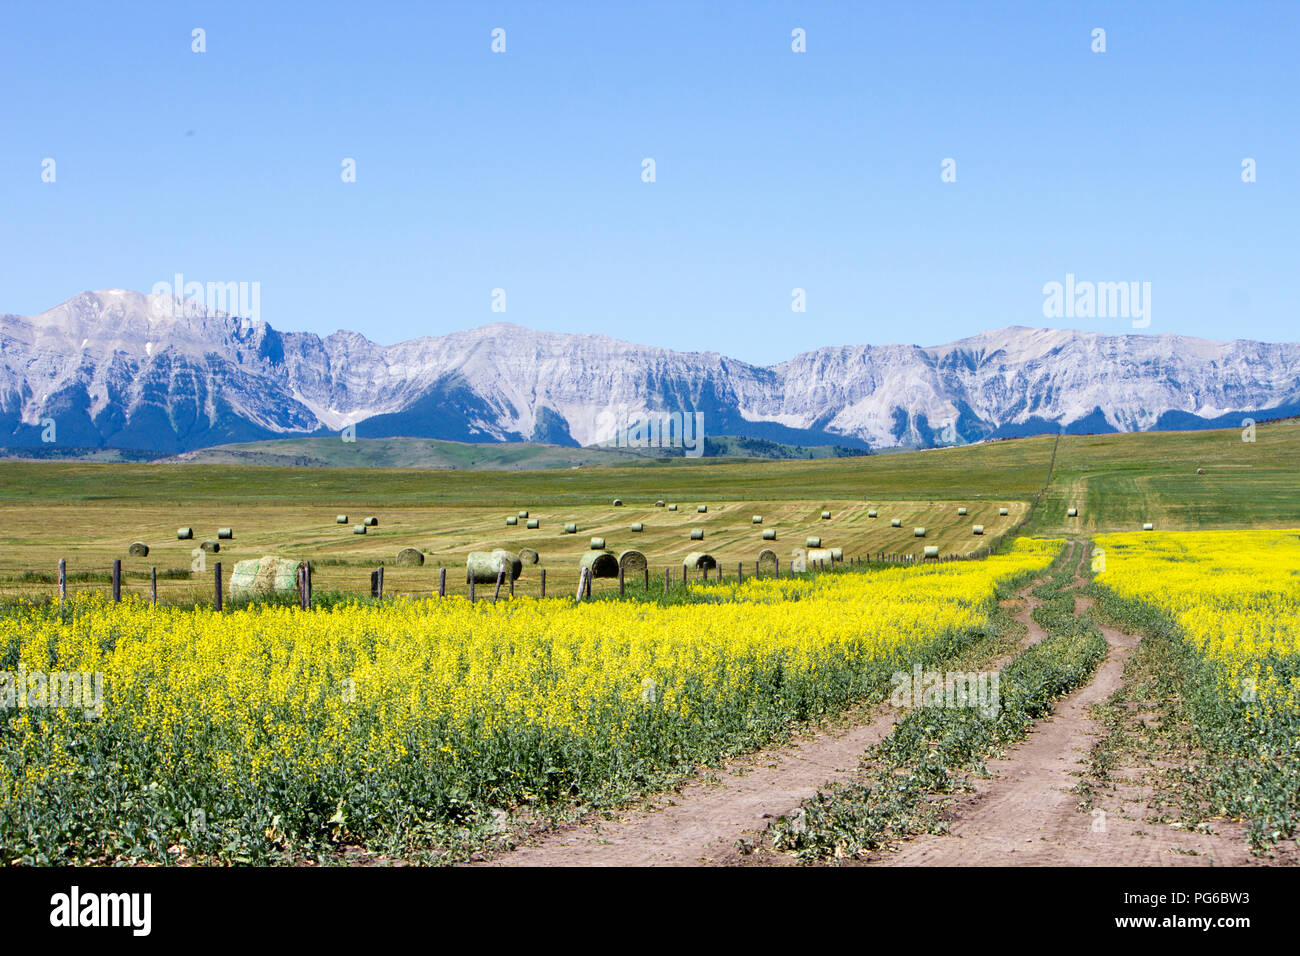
(414, 726)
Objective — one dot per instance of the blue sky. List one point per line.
(774, 169)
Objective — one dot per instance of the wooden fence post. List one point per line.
(374, 584)
(646, 584)
(117, 580)
(442, 582)
(501, 577)
(543, 582)
(216, 586)
(381, 580)
(153, 585)
(309, 585)
(63, 581)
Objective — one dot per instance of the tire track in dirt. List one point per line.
(700, 824)
(1026, 813)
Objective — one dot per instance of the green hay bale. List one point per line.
(931, 551)
(512, 521)
(1148, 527)
(138, 549)
(263, 577)
(528, 556)
(184, 534)
(371, 522)
(602, 564)
(767, 561)
(1004, 511)
(769, 534)
(597, 544)
(824, 555)
(872, 513)
(481, 567)
(961, 511)
(837, 554)
(359, 529)
(571, 528)
(226, 534)
(826, 516)
(410, 557)
(633, 562)
(1072, 513)
(534, 524)
(340, 519)
(210, 546)
(618, 502)
(524, 513)
(672, 507)
(638, 526)
(978, 529)
(698, 560)
(813, 543)
(702, 509)
(757, 519)
(918, 532)
(697, 534)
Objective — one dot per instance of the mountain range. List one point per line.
(121, 369)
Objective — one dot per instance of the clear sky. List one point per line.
(774, 169)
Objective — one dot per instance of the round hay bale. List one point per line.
(528, 556)
(138, 549)
(918, 532)
(659, 503)
(813, 543)
(184, 534)
(638, 526)
(757, 519)
(210, 546)
(263, 577)
(226, 534)
(1004, 511)
(873, 513)
(633, 562)
(359, 529)
(1148, 526)
(697, 534)
(698, 560)
(767, 561)
(824, 555)
(931, 551)
(837, 554)
(410, 557)
(961, 511)
(1072, 513)
(340, 519)
(978, 529)
(534, 524)
(1200, 471)
(512, 521)
(597, 544)
(769, 534)
(571, 528)
(482, 566)
(672, 507)
(524, 513)
(896, 522)
(826, 515)
(371, 522)
(603, 564)
(702, 509)
(618, 502)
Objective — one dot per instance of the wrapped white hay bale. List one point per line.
(184, 534)
(225, 534)
(371, 522)
(961, 511)
(978, 529)
(138, 549)
(340, 519)
(597, 544)
(618, 502)
(571, 528)
(769, 534)
(534, 524)
(1148, 526)
(873, 513)
(822, 555)
(633, 562)
(602, 564)
(697, 534)
(528, 556)
(263, 577)
(837, 554)
(512, 521)
(410, 557)
(482, 567)
(699, 561)
(813, 543)
(1072, 513)
(702, 509)
(826, 515)
(524, 513)
(918, 532)
(672, 507)
(210, 546)
(659, 503)
(359, 529)
(1004, 511)
(757, 519)
(896, 522)
(638, 526)
(931, 551)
